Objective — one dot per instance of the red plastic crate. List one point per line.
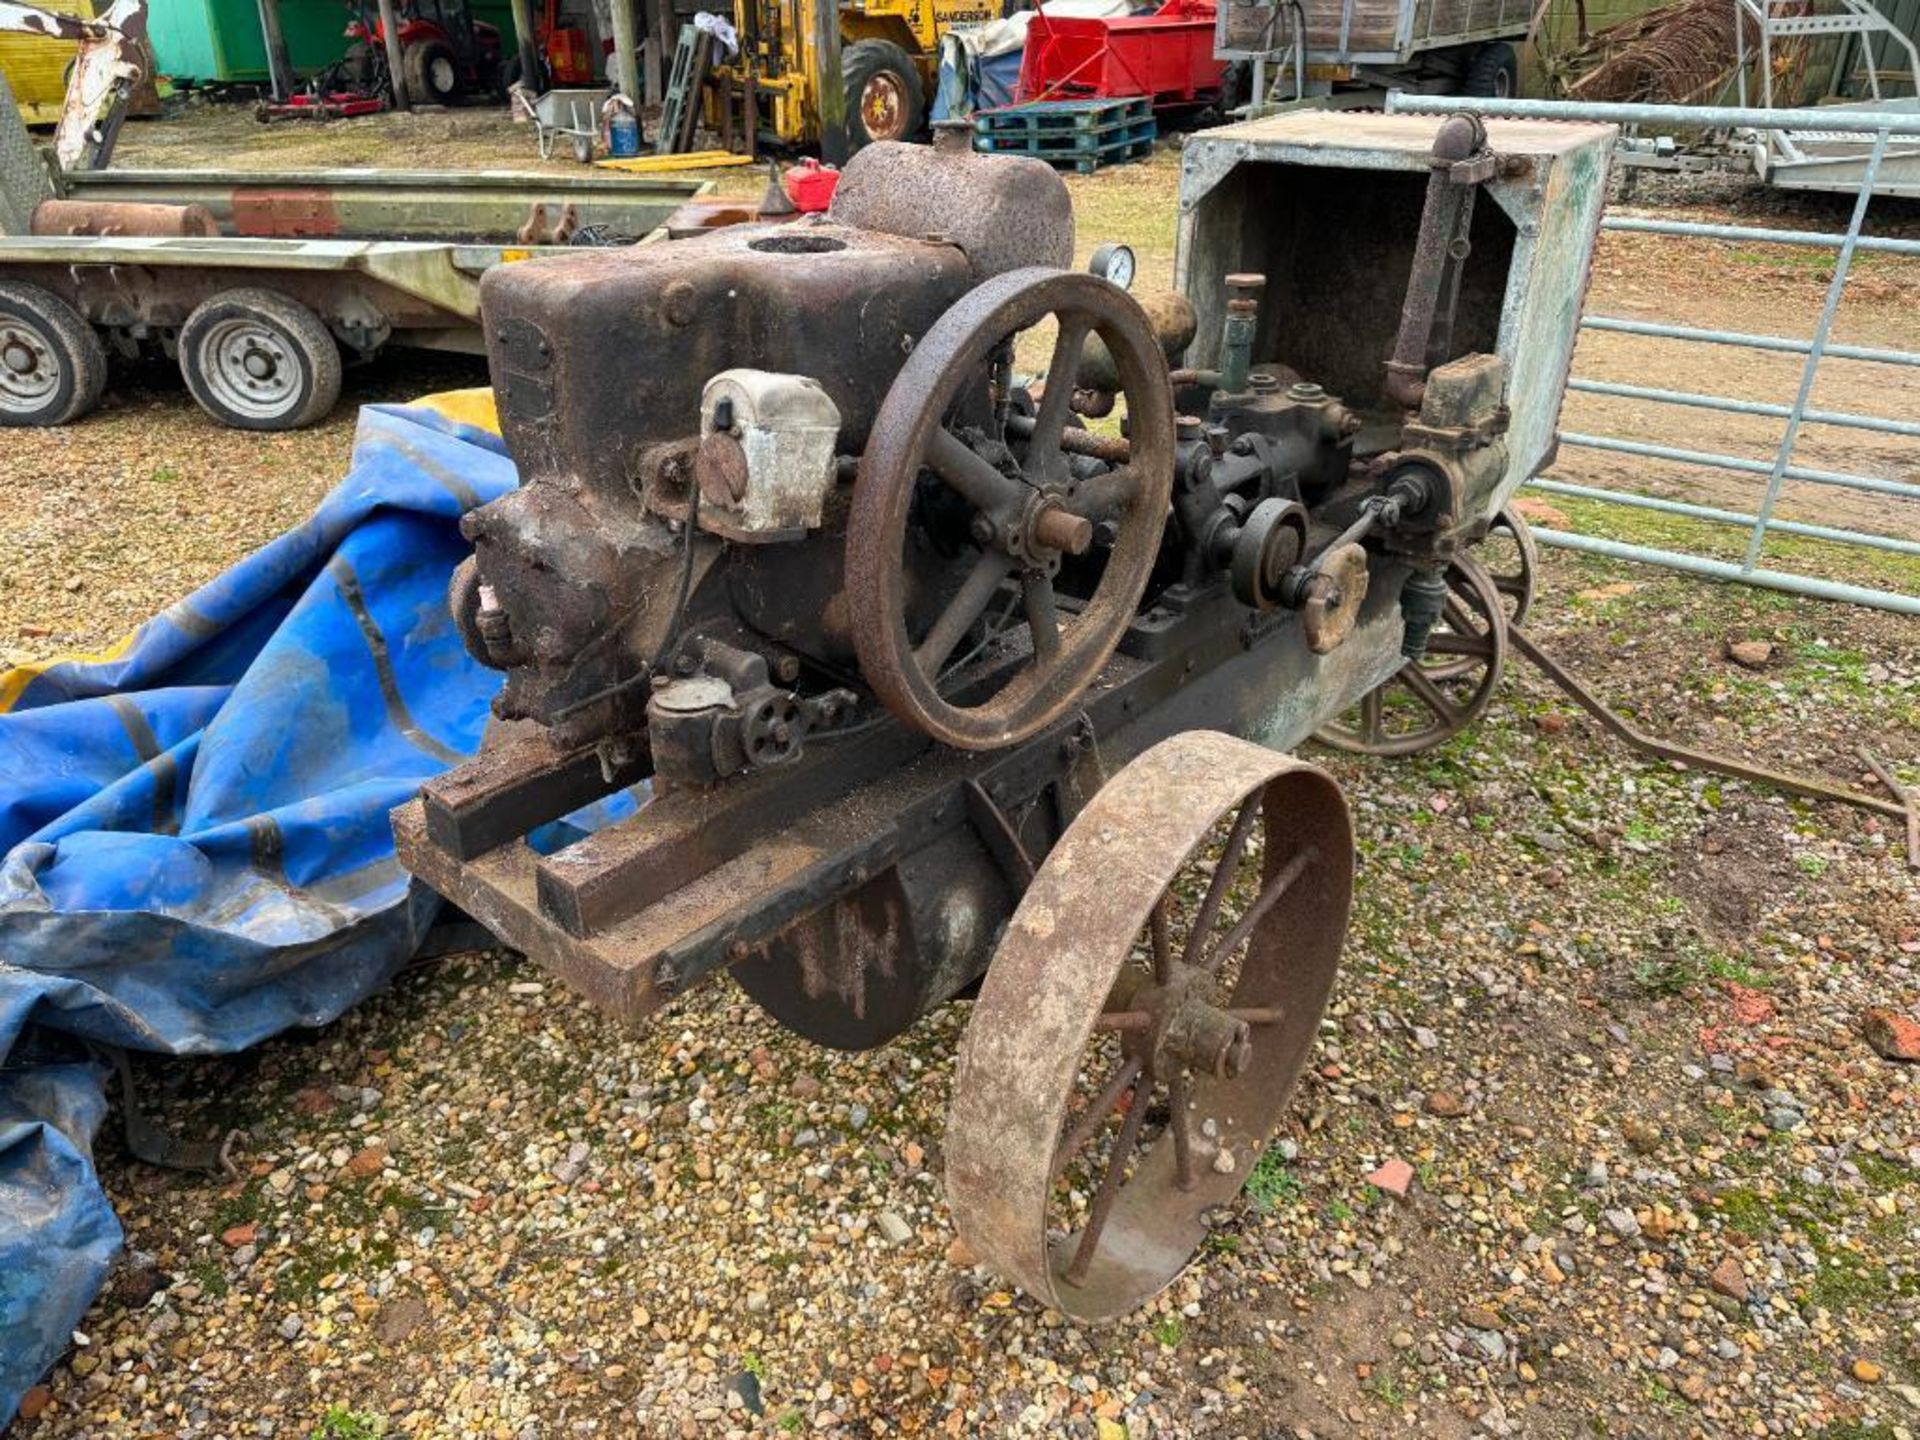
(1166, 56)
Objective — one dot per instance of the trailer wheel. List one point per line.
(432, 73)
(257, 360)
(52, 365)
(1494, 71)
(883, 92)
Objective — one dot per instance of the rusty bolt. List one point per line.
(982, 529)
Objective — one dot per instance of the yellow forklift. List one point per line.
(834, 75)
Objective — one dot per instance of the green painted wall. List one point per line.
(219, 41)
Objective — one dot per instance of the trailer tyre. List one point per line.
(884, 100)
(1494, 72)
(52, 365)
(257, 360)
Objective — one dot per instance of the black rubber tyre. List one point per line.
(258, 360)
(52, 365)
(433, 75)
(1494, 72)
(884, 99)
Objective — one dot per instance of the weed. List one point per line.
(1272, 1184)
(792, 1422)
(340, 1423)
(755, 1365)
(1811, 865)
(1169, 1331)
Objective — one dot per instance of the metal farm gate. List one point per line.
(1887, 144)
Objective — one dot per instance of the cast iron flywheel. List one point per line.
(1030, 508)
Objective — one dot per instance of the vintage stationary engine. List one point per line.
(778, 473)
(939, 593)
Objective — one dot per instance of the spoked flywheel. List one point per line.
(1139, 1032)
(1432, 699)
(1020, 504)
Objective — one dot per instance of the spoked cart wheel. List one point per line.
(1139, 1032)
(1026, 507)
(1430, 700)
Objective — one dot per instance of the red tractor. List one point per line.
(444, 52)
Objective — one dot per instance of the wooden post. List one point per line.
(665, 39)
(651, 78)
(279, 62)
(626, 44)
(829, 88)
(390, 30)
(533, 74)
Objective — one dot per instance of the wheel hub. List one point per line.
(1186, 1027)
(19, 359)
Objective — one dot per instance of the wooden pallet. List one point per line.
(1081, 134)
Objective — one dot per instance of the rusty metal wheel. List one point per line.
(1431, 700)
(1139, 1032)
(1512, 561)
(883, 107)
(1028, 506)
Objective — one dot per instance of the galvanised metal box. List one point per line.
(1327, 206)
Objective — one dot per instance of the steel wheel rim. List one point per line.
(1440, 695)
(1020, 1095)
(912, 433)
(883, 107)
(30, 369)
(251, 368)
(441, 76)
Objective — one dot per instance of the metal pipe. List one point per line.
(1728, 405)
(1715, 117)
(1752, 342)
(1696, 229)
(1811, 370)
(1650, 451)
(1727, 517)
(1726, 570)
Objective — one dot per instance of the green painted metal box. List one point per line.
(219, 41)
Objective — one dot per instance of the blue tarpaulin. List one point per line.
(194, 848)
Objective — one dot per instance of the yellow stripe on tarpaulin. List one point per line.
(14, 682)
(475, 407)
(659, 164)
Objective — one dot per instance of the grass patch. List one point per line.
(1169, 1330)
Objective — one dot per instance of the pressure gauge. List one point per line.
(1114, 263)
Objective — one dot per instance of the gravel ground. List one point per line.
(1617, 1019)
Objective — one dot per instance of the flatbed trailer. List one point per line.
(261, 284)
(1351, 52)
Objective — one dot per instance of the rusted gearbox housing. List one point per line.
(707, 428)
